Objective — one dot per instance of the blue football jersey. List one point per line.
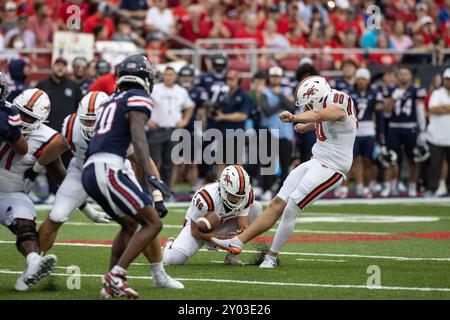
(112, 128)
(215, 88)
(9, 123)
(341, 84)
(365, 105)
(404, 109)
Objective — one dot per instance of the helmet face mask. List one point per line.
(219, 66)
(4, 90)
(234, 187)
(137, 70)
(34, 107)
(87, 110)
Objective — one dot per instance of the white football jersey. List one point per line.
(13, 166)
(335, 139)
(71, 131)
(207, 199)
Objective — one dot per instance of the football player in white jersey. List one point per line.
(77, 131)
(332, 115)
(17, 211)
(231, 199)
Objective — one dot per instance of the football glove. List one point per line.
(161, 186)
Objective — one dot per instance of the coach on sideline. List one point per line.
(438, 132)
(173, 109)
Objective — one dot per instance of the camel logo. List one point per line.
(310, 92)
(227, 179)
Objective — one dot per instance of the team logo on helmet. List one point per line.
(227, 179)
(310, 92)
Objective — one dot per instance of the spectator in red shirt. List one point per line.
(251, 30)
(100, 17)
(157, 51)
(181, 11)
(195, 25)
(218, 26)
(42, 26)
(282, 21)
(52, 7)
(297, 38)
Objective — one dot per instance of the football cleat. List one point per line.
(29, 277)
(162, 280)
(268, 263)
(46, 267)
(233, 260)
(115, 285)
(228, 245)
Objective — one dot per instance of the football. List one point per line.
(209, 222)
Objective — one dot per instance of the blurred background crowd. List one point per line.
(236, 63)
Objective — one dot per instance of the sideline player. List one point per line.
(332, 115)
(231, 199)
(17, 211)
(121, 123)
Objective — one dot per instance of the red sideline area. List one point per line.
(318, 238)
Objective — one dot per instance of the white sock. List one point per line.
(359, 188)
(442, 183)
(268, 256)
(157, 267)
(412, 186)
(286, 226)
(31, 256)
(119, 270)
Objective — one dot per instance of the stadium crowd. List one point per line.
(407, 126)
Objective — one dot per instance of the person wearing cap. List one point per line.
(65, 95)
(272, 102)
(368, 104)
(231, 113)
(438, 135)
(172, 110)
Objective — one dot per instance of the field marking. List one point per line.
(268, 283)
(179, 226)
(353, 218)
(326, 202)
(324, 260)
(94, 245)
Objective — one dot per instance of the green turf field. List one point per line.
(328, 258)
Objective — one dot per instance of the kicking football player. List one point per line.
(231, 200)
(10, 122)
(121, 123)
(332, 115)
(77, 131)
(17, 211)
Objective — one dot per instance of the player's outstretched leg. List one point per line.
(47, 234)
(263, 223)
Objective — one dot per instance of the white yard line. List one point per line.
(179, 226)
(266, 283)
(344, 255)
(322, 260)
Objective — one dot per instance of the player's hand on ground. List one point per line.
(286, 116)
(160, 207)
(100, 217)
(300, 128)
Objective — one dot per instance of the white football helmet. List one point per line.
(234, 180)
(87, 110)
(311, 91)
(34, 107)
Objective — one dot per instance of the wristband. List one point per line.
(157, 196)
